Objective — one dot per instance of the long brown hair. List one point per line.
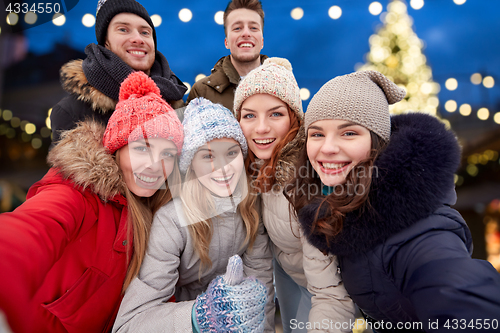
(198, 208)
(140, 218)
(264, 177)
(345, 198)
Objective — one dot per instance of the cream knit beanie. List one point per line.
(273, 77)
(361, 97)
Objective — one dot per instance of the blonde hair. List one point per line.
(199, 208)
(140, 218)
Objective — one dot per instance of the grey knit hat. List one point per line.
(107, 9)
(361, 97)
(273, 77)
(203, 122)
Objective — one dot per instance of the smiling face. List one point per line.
(218, 166)
(265, 121)
(244, 35)
(130, 37)
(334, 147)
(146, 166)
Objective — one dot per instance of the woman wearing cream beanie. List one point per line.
(308, 286)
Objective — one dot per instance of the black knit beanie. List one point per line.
(107, 9)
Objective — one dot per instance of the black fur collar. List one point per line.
(415, 177)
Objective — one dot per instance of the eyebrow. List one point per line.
(315, 127)
(241, 22)
(143, 142)
(128, 24)
(207, 149)
(271, 109)
(347, 125)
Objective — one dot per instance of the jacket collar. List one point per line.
(415, 177)
(74, 82)
(224, 74)
(80, 157)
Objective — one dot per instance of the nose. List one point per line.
(222, 164)
(136, 37)
(330, 146)
(263, 126)
(155, 163)
(245, 31)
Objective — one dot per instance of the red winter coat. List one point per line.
(64, 253)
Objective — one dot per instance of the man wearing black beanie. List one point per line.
(126, 42)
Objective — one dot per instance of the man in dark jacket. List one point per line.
(243, 25)
(126, 42)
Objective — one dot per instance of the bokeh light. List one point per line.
(335, 12)
(185, 15)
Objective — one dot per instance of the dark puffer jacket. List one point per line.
(94, 84)
(408, 260)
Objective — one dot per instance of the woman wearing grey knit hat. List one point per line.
(376, 192)
(309, 290)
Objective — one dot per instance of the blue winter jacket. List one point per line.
(406, 260)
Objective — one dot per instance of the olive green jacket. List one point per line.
(220, 85)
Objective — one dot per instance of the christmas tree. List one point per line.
(396, 52)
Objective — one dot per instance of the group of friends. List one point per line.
(159, 215)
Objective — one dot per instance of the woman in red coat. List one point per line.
(68, 253)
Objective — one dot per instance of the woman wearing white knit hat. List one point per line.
(308, 286)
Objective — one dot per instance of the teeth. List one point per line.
(222, 179)
(246, 45)
(147, 179)
(333, 165)
(137, 52)
(264, 141)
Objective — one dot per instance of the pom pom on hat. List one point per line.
(280, 62)
(360, 97)
(274, 77)
(141, 113)
(138, 85)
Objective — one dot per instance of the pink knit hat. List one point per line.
(141, 113)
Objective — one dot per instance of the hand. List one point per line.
(232, 303)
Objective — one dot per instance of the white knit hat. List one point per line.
(203, 122)
(273, 77)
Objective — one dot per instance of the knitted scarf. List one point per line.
(105, 71)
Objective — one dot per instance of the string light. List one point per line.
(304, 94)
(185, 15)
(219, 17)
(335, 12)
(156, 19)
(59, 19)
(375, 8)
(199, 77)
(88, 20)
(488, 82)
(297, 13)
(406, 66)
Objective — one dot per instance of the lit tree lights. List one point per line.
(396, 52)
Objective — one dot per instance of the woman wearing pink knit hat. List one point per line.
(71, 249)
(308, 286)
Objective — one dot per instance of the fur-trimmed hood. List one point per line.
(415, 177)
(81, 158)
(75, 82)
